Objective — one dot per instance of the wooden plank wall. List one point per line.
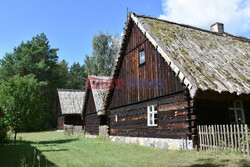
(130, 104)
(91, 119)
(58, 115)
(60, 122)
(154, 69)
(173, 118)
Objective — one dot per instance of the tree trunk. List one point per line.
(15, 137)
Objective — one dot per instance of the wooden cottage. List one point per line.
(69, 105)
(92, 113)
(172, 77)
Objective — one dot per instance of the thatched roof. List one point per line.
(208, 60)
(71, 100)
(203, 60)
(94, 84)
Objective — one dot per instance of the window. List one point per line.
(116, 118)
(236, 111)
(152, 115)
(142, 57)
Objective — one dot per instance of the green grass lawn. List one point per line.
(54, 149)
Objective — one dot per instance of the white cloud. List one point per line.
(235, 14)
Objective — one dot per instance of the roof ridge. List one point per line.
(224, 34)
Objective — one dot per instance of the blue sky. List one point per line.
(71, 24)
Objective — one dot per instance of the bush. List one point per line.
(3, 131)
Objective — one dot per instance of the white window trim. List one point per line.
(153, 115)
(234, 108)
(116, 118)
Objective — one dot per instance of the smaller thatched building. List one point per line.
(68, 109)
(93, 116)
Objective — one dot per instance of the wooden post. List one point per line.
(228, 138)
(218, 129)
(214, 145)
(225, 140)
(207, 137)
(210, 137)
(232, 140)
(235, 138)
(242, 132)
(216, 137)
(238, 131)
(202, 137)
(199, 128)
(247, 144)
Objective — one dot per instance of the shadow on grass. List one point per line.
(54, 141)
(210, 162)
(24, 154)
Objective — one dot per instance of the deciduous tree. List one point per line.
(21, 102)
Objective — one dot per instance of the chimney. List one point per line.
(217, 27)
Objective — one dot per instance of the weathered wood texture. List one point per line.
(91, 119)
(224, 137)
(173, 122)
(60, 122)
(129, 104)
(216, 111)
(58, 115)
(154, 70)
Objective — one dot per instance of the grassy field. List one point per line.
(54, 149)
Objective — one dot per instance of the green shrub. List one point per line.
(3, 131)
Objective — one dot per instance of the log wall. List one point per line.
(60, 122)
(173, 118)
(91, 119)
(129, 101)
(58, 115)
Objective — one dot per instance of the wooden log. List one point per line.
(193, 117)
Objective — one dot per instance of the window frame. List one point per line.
(234, 109)
(153, 112)
(141, 64)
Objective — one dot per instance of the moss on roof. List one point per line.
(213, 60)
